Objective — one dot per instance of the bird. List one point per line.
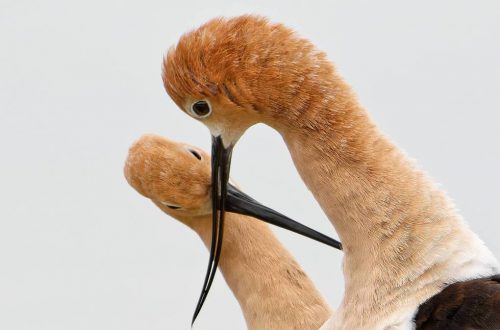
(272, 289)
(404, 241)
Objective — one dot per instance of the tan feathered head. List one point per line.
(248, 69)
(176, 176)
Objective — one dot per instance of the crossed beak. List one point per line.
(226, 197)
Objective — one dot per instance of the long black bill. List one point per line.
(239, 202)
(226, 197)
(221, 163)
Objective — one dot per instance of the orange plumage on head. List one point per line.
(246, 62)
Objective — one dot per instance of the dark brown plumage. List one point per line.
(473, 304)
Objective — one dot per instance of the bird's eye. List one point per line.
(173, 207)
(200, 109)
(195, 153)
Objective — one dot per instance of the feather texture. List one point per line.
(473, 304)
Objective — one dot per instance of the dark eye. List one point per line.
(200, 109)
(173, 207)
(195, 153)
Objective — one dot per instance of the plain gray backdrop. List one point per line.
(80, 81)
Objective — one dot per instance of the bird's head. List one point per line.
(174, 175)
(233, 73)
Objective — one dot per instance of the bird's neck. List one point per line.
(271, 288)
(398, 230)
(355, 173)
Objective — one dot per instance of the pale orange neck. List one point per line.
(360, 179)
(401, 235)
(272, 289)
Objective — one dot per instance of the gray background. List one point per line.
(80, 81)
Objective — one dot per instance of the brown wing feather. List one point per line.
(473, 304)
